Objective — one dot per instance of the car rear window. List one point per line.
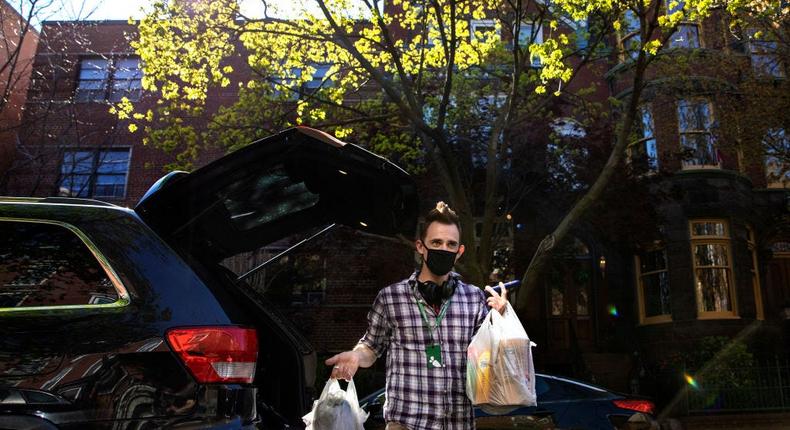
(43, 264)
(261, 200)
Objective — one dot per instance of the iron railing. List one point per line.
(765, 387)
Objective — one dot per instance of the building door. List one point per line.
(778, 278)
(569, 301)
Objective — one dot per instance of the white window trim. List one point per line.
(473, 24)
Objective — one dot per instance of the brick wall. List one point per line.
(15, 79)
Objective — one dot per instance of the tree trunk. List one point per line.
(529, 283)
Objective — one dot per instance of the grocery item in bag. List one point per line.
(500, 373)
(336, 409)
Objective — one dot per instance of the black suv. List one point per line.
(126, 319)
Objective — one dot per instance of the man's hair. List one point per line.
(441, 214)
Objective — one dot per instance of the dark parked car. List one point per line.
(125, 319)
(563, 403)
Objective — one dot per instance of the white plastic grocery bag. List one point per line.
(336, 409)
(500, 375)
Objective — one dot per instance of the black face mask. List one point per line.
(439, 261)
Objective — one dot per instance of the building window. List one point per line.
(486, 110)
(686, 36)
(765, 60)
(94, 173)
(482, 29)
(711, 258)
(695, 123)
(527, 35)
(751, 242)
(687, 33)
(285, 86)
(568, 128)
(103, 79)
(777, 158)
(582, 32)
(631, 38)
(653, 286)
(644, 151)
(319, 78)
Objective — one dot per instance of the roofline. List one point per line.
(87, 21)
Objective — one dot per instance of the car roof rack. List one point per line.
(75, 201)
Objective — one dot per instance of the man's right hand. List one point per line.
(346, 364)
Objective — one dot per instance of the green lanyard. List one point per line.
(438, 319)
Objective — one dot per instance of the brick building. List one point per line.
(16, 61)
(718, 264)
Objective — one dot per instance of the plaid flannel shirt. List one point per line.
(417, 396)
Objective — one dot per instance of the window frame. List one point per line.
(751, 244)
(534, 62)
(776, 72)
(726, 241)
(625, 38)
(124, 299)
(316, 82)
(683, 23)
(474, 23)
(89, 92)
(640, 288)
(94, 173)
(639, 147)
(108, 89)
(773, 180)
(696, 132)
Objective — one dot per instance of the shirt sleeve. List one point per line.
(482, 311)
(377, 337)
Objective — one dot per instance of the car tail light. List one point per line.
(217, 354)
(645, 406)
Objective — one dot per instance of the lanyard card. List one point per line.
(434, 353)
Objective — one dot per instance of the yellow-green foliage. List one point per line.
(185, 48)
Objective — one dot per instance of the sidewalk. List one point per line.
(759, 420)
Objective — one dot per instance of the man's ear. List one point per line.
(419, 246)
(460, 252)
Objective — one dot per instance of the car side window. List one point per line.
(49, 265)
(563, 390)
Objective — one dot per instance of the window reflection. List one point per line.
(710, 245)
(48, 265)
(557, 301)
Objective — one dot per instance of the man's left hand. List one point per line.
(497, 301)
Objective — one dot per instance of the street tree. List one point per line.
(408, 78)
(440, 86)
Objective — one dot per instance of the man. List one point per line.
(426, 322)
